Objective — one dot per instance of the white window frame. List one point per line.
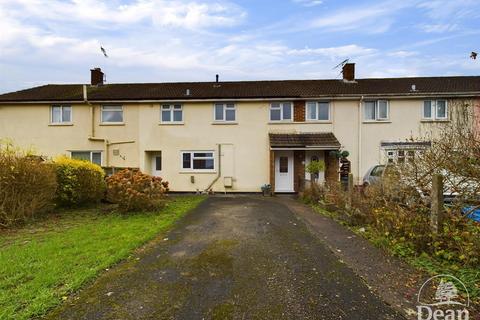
(377, 111)
(120, 107)
(61, 106)
(172, 109)
(192, 157)
(281, 103)
(224, 115)
(317, 106)
(401, 155)
(391, 155)
(433, 110)
(91, 155)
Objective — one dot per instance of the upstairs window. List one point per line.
(92, 156)
(198, 160)
(172, 113)
(281, 111)
(112, 114)
(435, 110)
(225, 112)
(318, 111)
(376, 110)
(61, 114)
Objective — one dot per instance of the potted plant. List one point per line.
(266, 190)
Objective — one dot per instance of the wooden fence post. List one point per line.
(436, 207)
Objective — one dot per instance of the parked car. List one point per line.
(373, 175)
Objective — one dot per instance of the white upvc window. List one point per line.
(60, 114)
(172, 113)
(224, 112)
(198, 160)
(318, 111)
(92, 156)
(435, 110)
(401, 155)
(377, 110)
(281, 111)
(112, 114)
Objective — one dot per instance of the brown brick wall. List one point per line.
(331, 168)
(298, 170)
(299, 111)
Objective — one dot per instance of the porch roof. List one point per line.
(304, 140)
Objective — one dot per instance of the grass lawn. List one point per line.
(45, 261)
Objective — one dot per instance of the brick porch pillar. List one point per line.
(298, 170)
(331, 168)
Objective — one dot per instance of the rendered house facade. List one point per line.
(234, 136)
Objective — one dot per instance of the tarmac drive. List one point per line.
(238, 257)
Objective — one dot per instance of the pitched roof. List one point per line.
(297, 89)
(303, 140)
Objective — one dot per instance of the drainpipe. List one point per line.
(91, 137)
(359, 143)
(219, 173)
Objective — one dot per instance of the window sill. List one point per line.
(224, 122)
(69, 124)
(376, 121)
(282, 122)
(434, 120)
(173, 123)
(198, 172)
(301, 122)
(316, 121)
(112, 124)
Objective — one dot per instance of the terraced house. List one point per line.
(233, 136)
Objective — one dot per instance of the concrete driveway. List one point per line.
(242, 257)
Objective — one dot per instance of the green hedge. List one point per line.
(80, 182)
(27, 186)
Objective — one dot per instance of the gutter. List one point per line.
(333, 147)
(329, 97)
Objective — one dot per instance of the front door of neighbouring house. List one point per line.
(156, 164)
(284, 171)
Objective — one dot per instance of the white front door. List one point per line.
(157, 164)
(284, 171)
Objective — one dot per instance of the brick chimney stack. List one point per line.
(348, 71)
(97, 77)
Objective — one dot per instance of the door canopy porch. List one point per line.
(304, 141)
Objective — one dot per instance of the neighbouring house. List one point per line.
(234, 136)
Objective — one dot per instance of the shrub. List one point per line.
(27, 186)
(313, 193)
(80, 182)
(133, 190)
(407, 225)
(315, 166)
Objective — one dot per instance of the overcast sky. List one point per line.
(58, 41)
